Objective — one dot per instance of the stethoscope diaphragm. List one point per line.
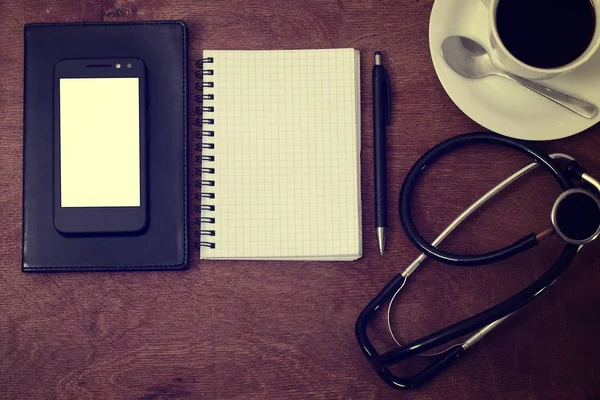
(576, 216)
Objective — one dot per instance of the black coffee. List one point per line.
(546, 33)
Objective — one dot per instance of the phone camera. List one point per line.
(118, 66)
(128, 65)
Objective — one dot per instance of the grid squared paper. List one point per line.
(287, 155)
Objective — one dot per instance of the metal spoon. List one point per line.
(470, 59)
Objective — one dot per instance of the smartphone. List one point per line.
(100, 160)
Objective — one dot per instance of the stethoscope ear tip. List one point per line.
(576, 216)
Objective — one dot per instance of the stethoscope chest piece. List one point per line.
(576, 216)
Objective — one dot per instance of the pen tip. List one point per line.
(381, 234)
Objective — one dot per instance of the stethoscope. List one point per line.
(575, 218)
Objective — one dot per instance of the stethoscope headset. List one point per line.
(575, 218)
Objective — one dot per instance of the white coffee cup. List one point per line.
(517, 67)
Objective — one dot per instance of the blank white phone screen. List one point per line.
(99, 142)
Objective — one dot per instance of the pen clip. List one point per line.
(388, 113)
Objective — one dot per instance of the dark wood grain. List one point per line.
(284, 329)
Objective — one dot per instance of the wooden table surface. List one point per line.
(286, 329)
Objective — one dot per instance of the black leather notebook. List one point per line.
(164, 243)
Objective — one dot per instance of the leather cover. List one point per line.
(163, 48)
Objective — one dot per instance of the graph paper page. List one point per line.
(286, 155)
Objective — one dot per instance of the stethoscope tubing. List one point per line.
(445, 147)
(484, 318)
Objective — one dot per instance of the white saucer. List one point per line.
(497, 103)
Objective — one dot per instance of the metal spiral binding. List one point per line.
(203, 134)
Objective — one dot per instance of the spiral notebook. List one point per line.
(280, 153)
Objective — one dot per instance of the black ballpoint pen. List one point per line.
(381, 118)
